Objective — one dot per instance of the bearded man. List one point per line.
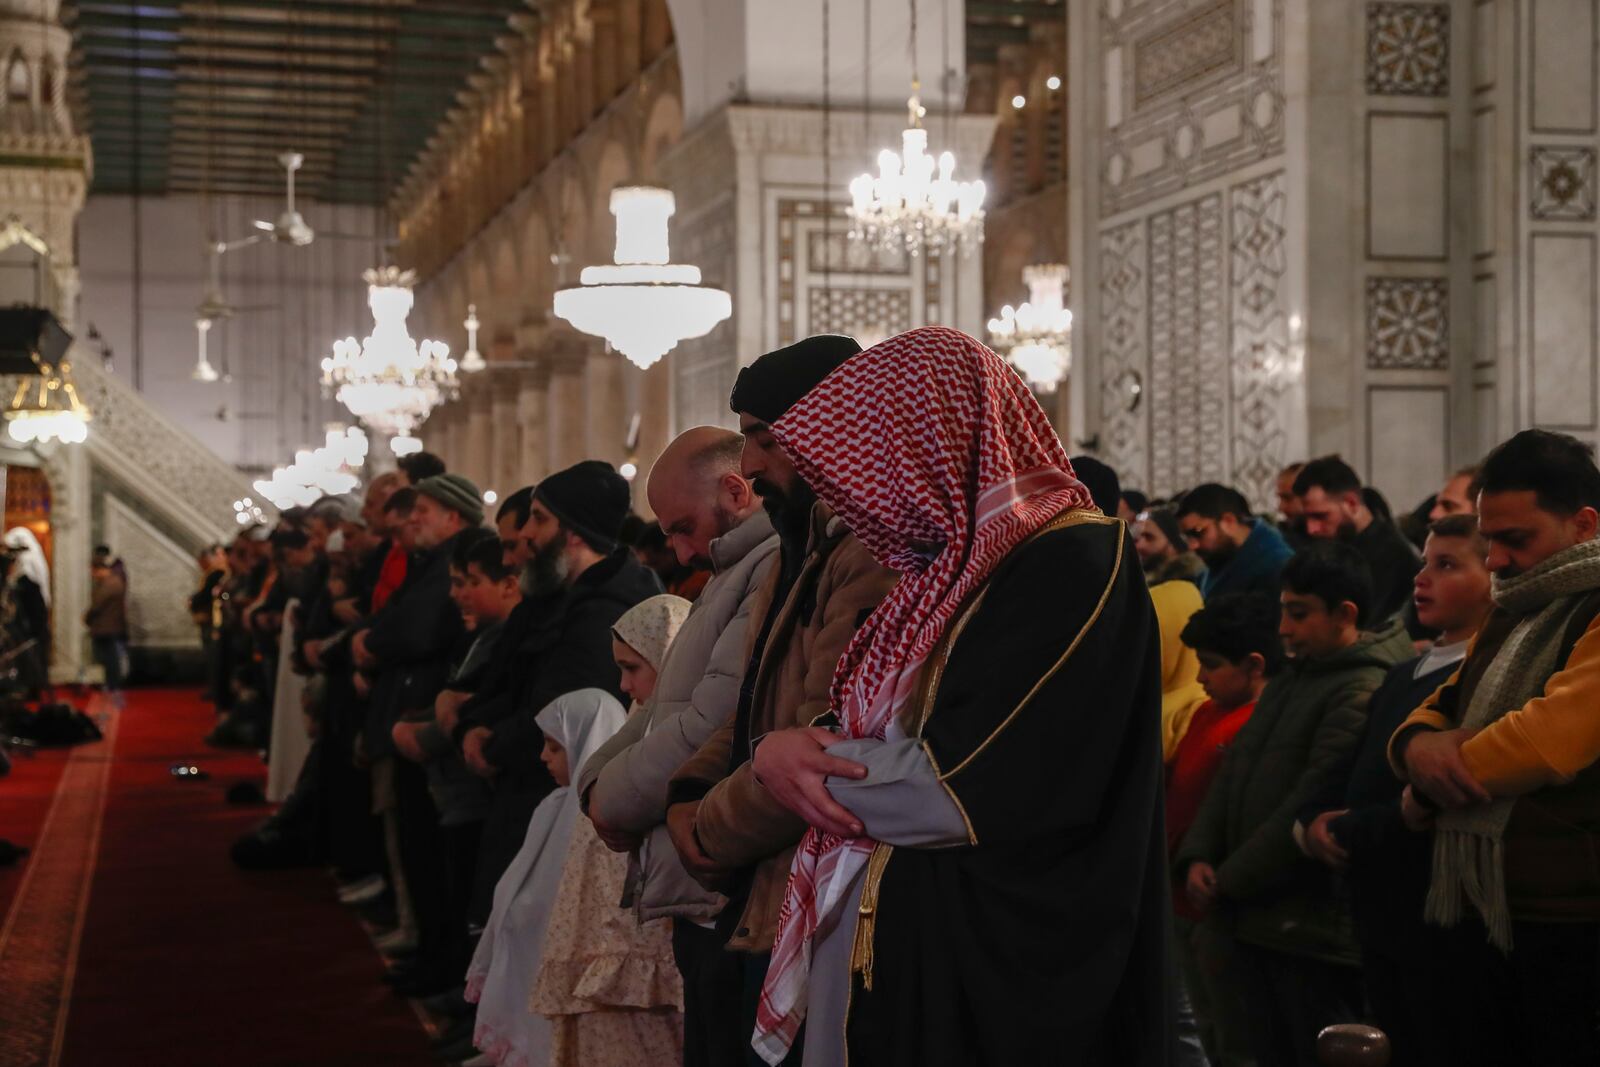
(984, 878)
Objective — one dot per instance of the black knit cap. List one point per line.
(1166, 521)
(1101, 481)
(773, 384)
(591, 499)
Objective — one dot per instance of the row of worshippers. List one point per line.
(833, 822)
(1343, 844)
(894, 790)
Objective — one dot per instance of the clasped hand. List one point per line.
(794, 765)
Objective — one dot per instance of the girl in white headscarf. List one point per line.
(608, 985)
(30, 562)
(512, 944)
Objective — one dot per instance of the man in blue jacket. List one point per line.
(1243, 554)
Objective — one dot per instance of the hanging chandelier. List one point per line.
(203, 370)
(909, 206)
(329, 470)
(1037, 337)
(643, 304)
(387, 380)
(46, 407)
(472, 360)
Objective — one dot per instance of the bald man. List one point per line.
(712, 518)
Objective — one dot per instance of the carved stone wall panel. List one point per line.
(1188, 357)
(1204, 42)
(160, 577)
(165, 465)
(1563, 183)
(1408, 324)
(869, 315)
(1124, 412)
(1182, 113)
(1408, 49)
(1265, 364)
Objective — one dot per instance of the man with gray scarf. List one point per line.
(1504, 760)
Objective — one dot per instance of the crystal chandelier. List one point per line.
(643, 304)
(387, 380)
(1037, 337)
(909, 206)
(315, 473)
(46, 407)
(472, 360)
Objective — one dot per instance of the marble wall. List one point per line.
(1184, 331)
(1376, 220)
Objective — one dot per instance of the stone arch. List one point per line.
(538, 279)
(613, 168)
(571, 224)
(19, 79)
(502, 312)
(661, 130)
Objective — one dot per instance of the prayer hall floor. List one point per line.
(131, 939)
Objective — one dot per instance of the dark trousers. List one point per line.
(461, 845)
(422, 858)
(112, 655)
(1555, 975)
(712, 984)
(1290, 999)
(1413, 975)
(754, 976)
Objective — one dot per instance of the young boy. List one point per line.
(484, 590)
(1235, 637)
(1356, 826)
(1241, 866)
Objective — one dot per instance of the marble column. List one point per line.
(565, 416)
(506, 472)
(533, 417)
(605, 414)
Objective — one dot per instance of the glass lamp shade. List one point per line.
(643, 304)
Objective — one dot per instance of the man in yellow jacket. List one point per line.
(1504, 760)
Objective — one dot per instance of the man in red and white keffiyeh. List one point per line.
(937, 456)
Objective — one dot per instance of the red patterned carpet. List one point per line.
(131, 940)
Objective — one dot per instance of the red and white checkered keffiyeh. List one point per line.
(937, 456)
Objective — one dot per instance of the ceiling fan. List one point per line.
(215, 308)
(291, 227)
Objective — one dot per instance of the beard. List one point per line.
(545, 572)
(1218, 557)
(790, 510)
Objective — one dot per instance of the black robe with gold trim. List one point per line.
(1045, 941)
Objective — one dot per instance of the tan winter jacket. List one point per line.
(739, 824)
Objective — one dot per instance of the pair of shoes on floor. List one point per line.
(452, 1003)
(455, 1043)
(418, 978)
(397, 942)
(363, 891)
(379, 913)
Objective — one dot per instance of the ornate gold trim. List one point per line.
(1105, 595)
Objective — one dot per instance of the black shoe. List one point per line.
(379, 913)
(425, 983)
(452, 1003)
(460, 1051)
(457, 1032)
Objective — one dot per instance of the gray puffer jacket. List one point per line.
(697, 690)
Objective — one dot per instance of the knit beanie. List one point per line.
(455, 493)
(1166, 521)
(591, 499)
(770, 386)
(1101, 481)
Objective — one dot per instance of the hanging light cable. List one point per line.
(915, 202)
